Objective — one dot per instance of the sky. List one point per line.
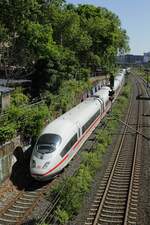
(135, 19)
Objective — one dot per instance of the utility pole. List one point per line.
(147, 74)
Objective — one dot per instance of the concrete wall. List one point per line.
(6, 157)
(5, 101)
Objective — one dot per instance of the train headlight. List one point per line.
(46, 165)
(33, 164)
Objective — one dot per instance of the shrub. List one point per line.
(91, 160)
(18, 98)
(34, 120)
(7, 132)
(62, 215)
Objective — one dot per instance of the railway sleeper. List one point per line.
(133, 208)
(24, 203)
(93, 209)
(133, 205)
(119, 186)
(12, 215)
(90, 218)
(120, 166)
(26, 199)
(92, 213)
(105, 220)
(133, 212)
(112, 216)
(105, 179)
(103, 185)
(136, 186)
(132, 222)
(123, 171)
(135, 192)
(95, 205)
(116, 198)
(124, 180)
(20, 207)
(99, 194)
(120, 189)
(88, 223)
(133, 200)
(120, 178)
(119, 204)
(117, 192)
(132, 217)
(115, 208)
(118, 182)
(108, 170)
(16, 211)
(96, 201)
(122, 174)
(115, 212)
(31, 193)
(134, 197)
(122, 163)
(8, 221)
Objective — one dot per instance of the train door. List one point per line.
(101, 105)
(79, 130)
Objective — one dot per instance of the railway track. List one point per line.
(21, 206)
(116, 200)
(23, 203)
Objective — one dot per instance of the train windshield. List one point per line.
(48, 143)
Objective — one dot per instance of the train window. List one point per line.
(69, 145)
(90, 121)
(48, 142)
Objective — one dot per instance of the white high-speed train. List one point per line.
(61, 139)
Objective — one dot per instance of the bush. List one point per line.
(28, 120)
(34, 121)
(91, 160)
(18, 98)
(103, 138)
(7, 132)
(62, 215)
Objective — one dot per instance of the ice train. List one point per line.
(62, 138)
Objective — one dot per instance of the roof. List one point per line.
(5, 89)
(11, 81)
(83, 111)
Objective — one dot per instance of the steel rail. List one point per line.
(93, 219)
(113, 169)
(134, 189)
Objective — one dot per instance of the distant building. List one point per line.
(130, 59)
(146, 57)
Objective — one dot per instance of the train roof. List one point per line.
(83, 111)
(76, 116)
(103, 93)
(58, 126)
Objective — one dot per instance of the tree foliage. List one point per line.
(55, 41)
